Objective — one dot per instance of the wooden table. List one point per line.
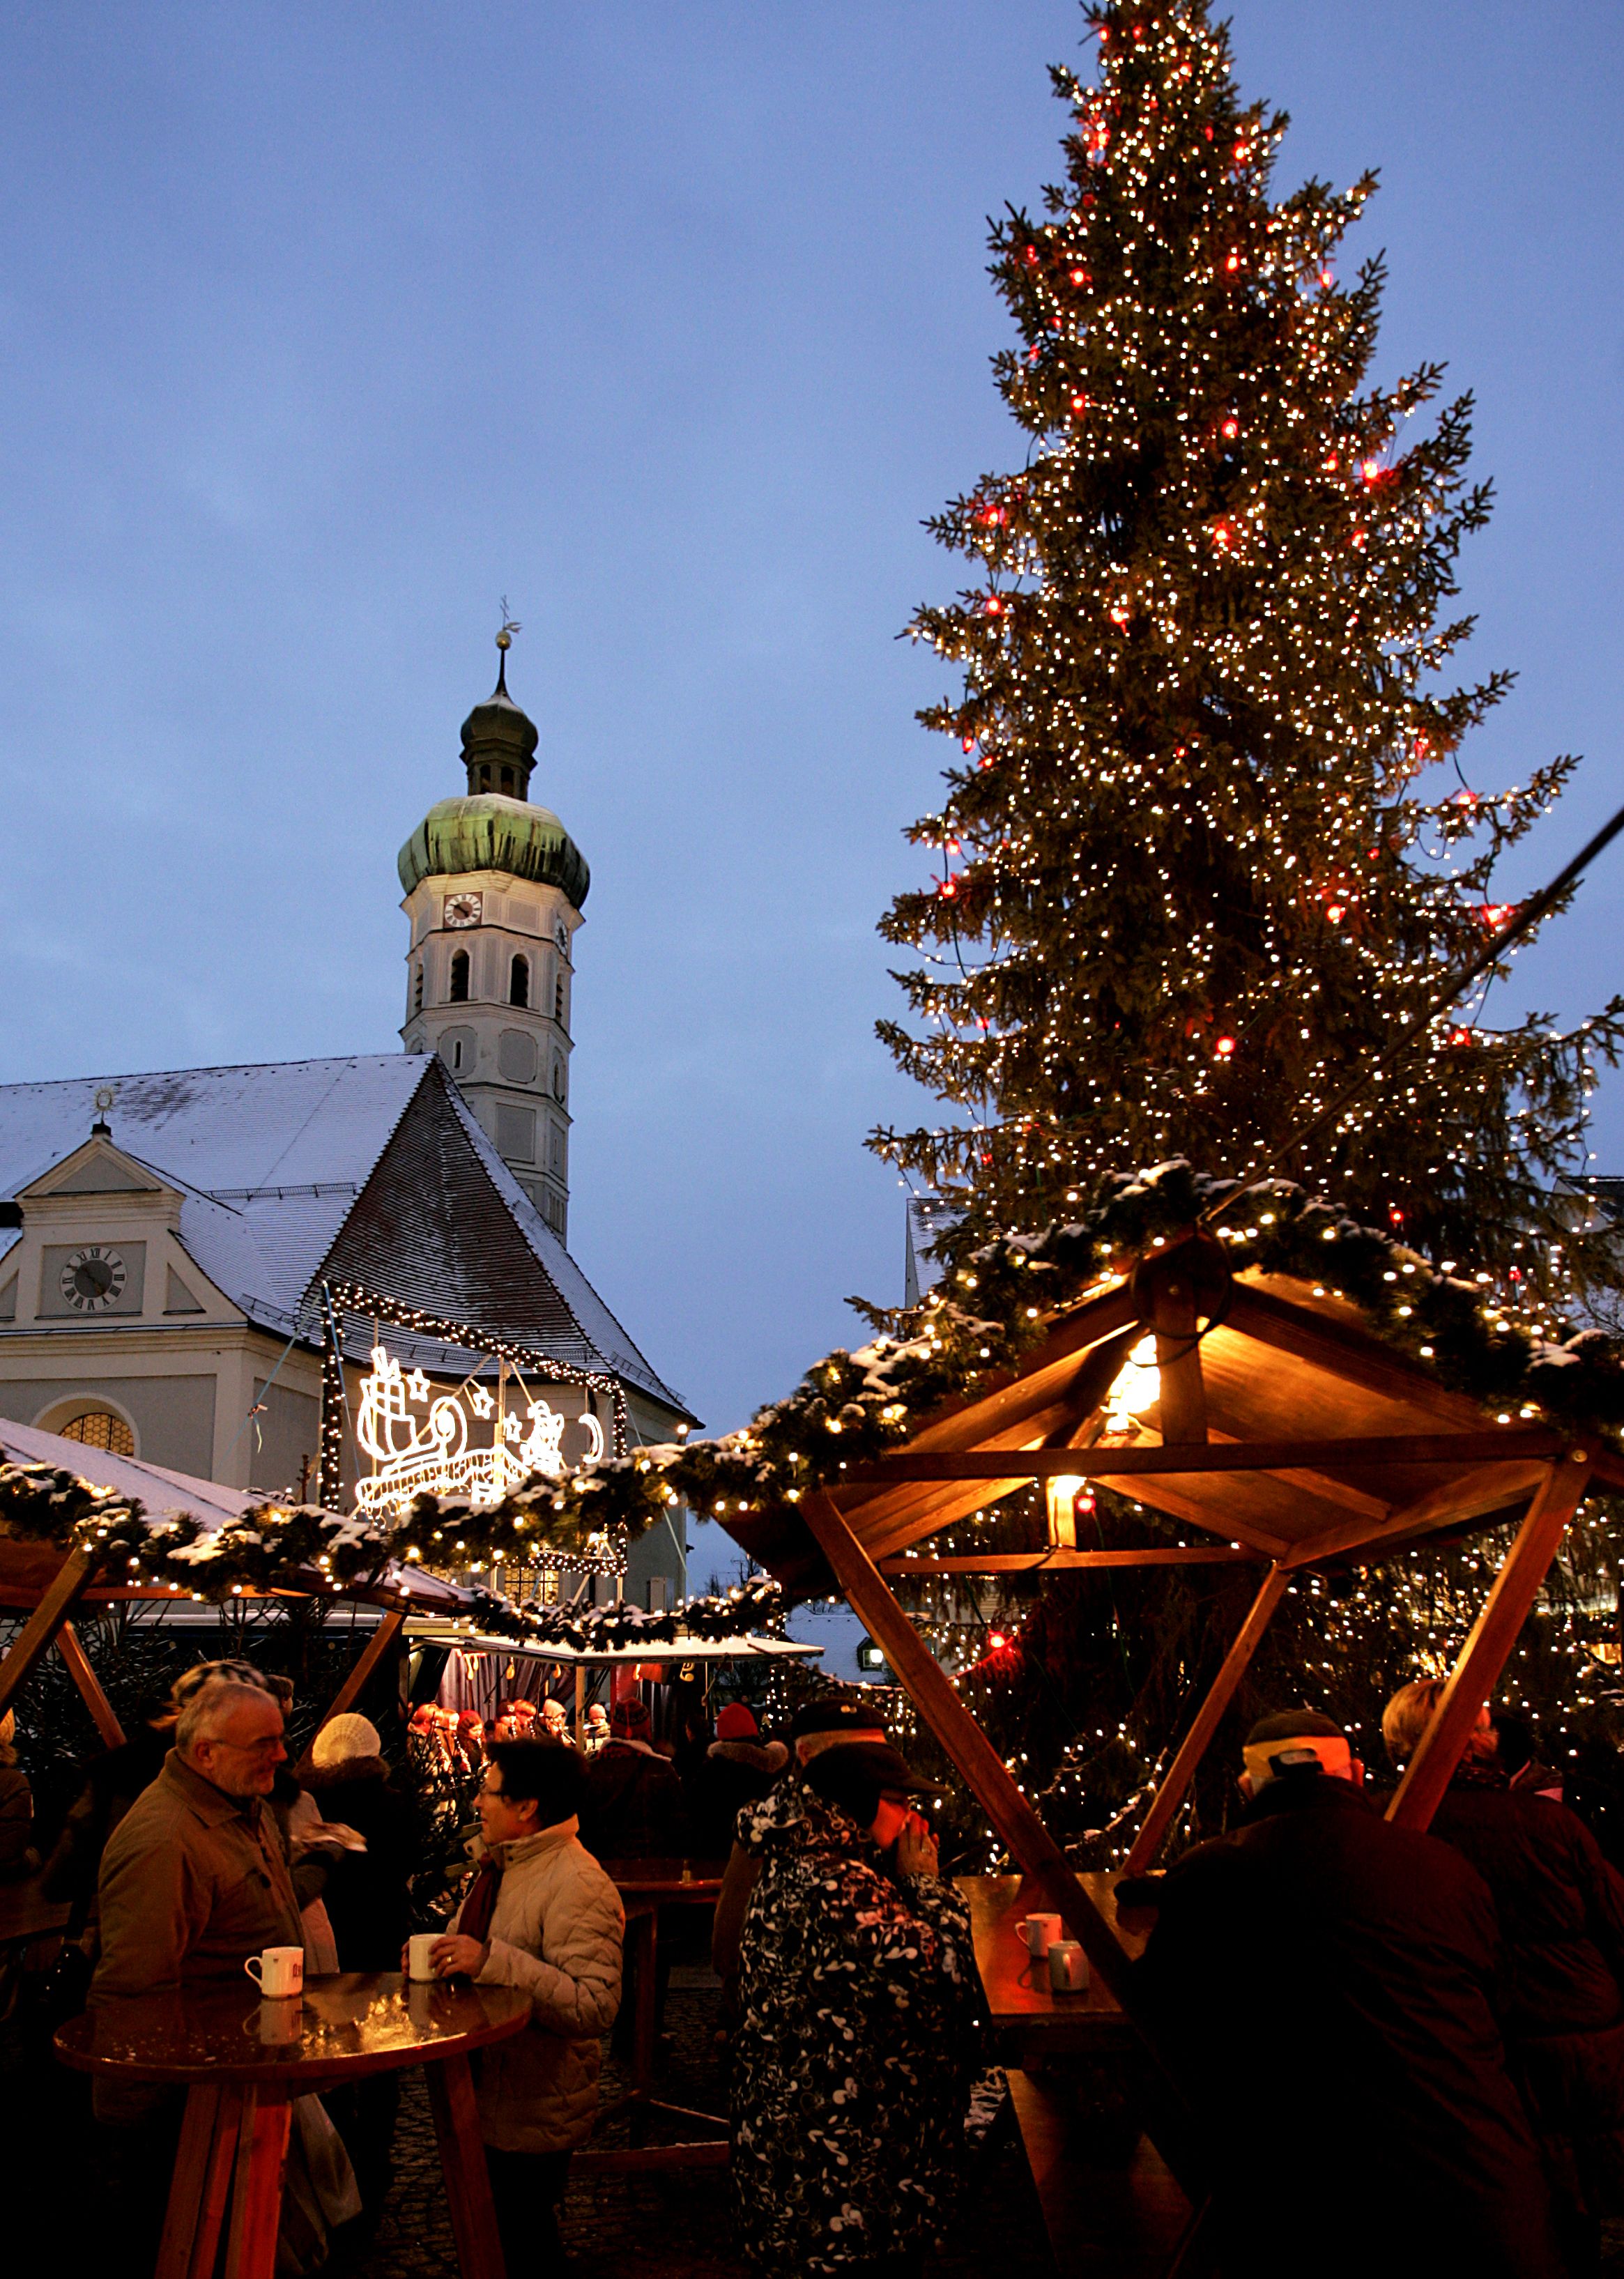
(645, 1886)
(241, 2060)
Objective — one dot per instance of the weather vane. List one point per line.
(510, 626)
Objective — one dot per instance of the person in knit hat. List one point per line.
(369, 1908)
(738, 1768)
(365, 1892)
(631, 1805)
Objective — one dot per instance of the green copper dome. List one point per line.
(489, 833)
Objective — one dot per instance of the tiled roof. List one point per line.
(286, 1168)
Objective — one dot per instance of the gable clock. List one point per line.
(93, 1279)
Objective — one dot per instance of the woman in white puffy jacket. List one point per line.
(540, 1915)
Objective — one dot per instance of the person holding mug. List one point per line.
(859, 2031)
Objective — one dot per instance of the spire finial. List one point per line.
(504, 642)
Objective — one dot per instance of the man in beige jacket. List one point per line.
(543, 1915)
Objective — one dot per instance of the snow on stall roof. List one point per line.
(158, 1491)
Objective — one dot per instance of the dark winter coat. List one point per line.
(366, 1892)
(719, 1785)
(1323, 1981)
(631, 1805)
(859, 2036)
(18, 1857)
(1561, 1910)
(112, 1782)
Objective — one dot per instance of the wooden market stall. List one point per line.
(1269, 1420)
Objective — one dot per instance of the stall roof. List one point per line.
(753, 1648)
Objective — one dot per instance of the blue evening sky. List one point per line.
(321, 326)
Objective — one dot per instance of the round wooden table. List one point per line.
(242, 2058)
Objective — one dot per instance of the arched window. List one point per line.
(507, 779)
(518, 982)
(459, 976)
(95, 1429)
(416, 987)
(558, 1001)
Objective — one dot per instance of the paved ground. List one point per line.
(675, 2225)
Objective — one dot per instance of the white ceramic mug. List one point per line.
(282, 2023)
(1068, 1968)
(277, 1972)
(1040, 1933)
(420, 1946)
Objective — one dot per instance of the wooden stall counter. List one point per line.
(1032, 2023)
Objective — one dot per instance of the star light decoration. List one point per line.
(1187, 884)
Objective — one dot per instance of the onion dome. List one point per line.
(496, 828)
(489, 832)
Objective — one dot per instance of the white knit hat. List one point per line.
(340, 1738)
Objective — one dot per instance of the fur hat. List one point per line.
(344, 1737)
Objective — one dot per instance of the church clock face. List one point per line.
(93, 1279)
(463, 909)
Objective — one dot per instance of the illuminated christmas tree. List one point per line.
(1208, 850)
(1207, 846)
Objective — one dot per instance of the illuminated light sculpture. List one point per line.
(433, 1455)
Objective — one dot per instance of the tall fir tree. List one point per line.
(1190, 885)
(1208, 853)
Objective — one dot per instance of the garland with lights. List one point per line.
(757, 1605)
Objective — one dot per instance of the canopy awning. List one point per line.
(751, 1647)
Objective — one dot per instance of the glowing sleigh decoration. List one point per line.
(433, 1456)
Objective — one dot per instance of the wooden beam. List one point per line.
(1181, 1408)
(1485, 1490)
(371, 1654)
(984, 1770)
(1510, 1445)
(57, 1603)
(1493, 1635)
(892, 1517)
(1342, 1351)
(1164, 1804)
(89, 1686)
(1022, 1563)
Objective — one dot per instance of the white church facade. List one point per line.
(197, 1266)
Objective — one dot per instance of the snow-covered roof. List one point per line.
(158, 1489)
(269, 1161)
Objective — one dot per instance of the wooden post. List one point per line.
(256, 2200)
(371, 1654)
(89, 1686)
(1493, 1634)
(580, 1705)
(1164, 1804)
(987, 1776)
(57, 1603)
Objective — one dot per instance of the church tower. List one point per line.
(493, 889)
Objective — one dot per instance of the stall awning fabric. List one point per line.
(430, 1631)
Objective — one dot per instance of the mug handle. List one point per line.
(254, 1966)
(1020, 1927)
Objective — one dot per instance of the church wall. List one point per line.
(289, 1429)
(172, 1417)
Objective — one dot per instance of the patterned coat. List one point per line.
(858, 2038)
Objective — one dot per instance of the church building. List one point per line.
(347, 1278)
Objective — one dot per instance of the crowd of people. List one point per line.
(1379, 2040)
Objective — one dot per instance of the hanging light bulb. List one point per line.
(1061, 1496)
(1138, 1387)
